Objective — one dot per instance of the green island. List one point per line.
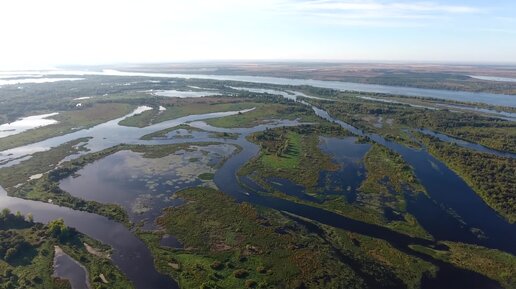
(291, 153)
(238, 246)
(491, 176)
(27, 255)
(294, 154)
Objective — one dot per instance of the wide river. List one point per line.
(480, 97)
(446, 192)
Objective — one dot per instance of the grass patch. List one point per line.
(291, 153)
(264, 113)
(164, 132)
(495, 264)
(378, 258)
(206, 176)
(388, 181)
(231, 245)
(182, 109)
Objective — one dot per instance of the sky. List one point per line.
(38, 33)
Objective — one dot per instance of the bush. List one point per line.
(216, 265)
(240, 273)
(250, 283)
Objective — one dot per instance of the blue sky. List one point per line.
(53, 32)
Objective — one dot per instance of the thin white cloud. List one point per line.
(373, 12)
(364, 5)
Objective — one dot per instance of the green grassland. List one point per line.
(378, 257)
(264, 113)
(96, 264)
(385, 166)
(68, 122)
(231, 245)
(39, 163)
(291, 153)
(388, 180)
(183, 109)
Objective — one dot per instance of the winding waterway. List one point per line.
(446, 192)
(130, 254)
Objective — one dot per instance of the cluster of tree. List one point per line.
(492, 132)
(59, 230)
(491, 176)
(292, 109)
(9, 220)
(273, 141)
(323, 92)
(20, 245)
(11, 244)
(8, 280)
(436, 80)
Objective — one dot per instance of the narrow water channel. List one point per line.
(468, 145)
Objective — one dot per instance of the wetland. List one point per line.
(259, 185)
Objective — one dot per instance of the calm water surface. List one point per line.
(26, 123)
(145, 186)
(65, 267)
